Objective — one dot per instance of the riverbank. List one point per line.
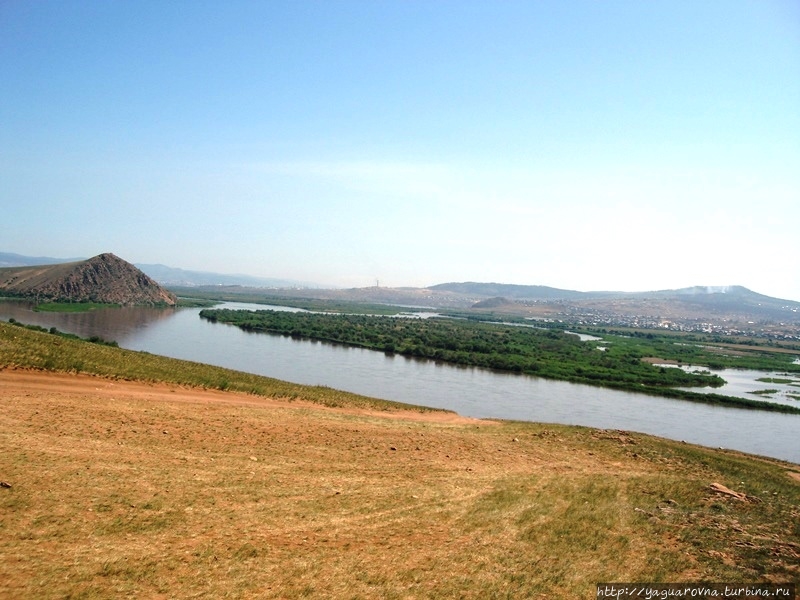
(622, 363)
(325, 368)
(150, 489)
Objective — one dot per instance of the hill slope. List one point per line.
(511, 291)
(140, 489)
(103, 278)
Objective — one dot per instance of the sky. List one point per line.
(589, 145)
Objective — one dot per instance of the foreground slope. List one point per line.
(130, 489)
(104, 278)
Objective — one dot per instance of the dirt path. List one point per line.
(14, 381)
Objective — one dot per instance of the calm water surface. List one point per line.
(180, 333)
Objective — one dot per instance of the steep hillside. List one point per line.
(103, 278)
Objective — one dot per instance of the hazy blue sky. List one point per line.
(627, 145)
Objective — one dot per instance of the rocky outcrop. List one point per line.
(104, 278)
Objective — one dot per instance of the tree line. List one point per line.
(521, 349)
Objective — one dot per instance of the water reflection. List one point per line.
(112, 324)
(783, 388)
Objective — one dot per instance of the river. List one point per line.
(180, 333)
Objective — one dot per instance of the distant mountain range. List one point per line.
(721, 305)
(9, 259)
(700, 294)
(171, 276)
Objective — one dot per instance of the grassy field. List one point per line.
(121, 486)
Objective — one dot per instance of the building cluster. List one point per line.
(723, 327)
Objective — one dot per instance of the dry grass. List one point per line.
(124, 489)
(165, 490)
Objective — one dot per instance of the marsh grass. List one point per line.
(118, 495)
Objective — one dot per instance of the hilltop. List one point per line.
(105, 278)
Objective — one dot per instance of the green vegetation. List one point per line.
(315, 304)
(545, 353)
(53, 331)
(35, 347)
(196, 302)
(707, 350)
(775, 380)
(71, 306)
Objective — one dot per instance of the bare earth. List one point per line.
(124, 489)
(58, 384)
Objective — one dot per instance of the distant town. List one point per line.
(762, 329)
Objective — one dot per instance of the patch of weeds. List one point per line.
(768, 392)
(246, 551)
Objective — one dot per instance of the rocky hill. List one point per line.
(103, 278)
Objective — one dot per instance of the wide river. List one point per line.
(180, 333)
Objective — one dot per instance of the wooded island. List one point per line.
(549, 353)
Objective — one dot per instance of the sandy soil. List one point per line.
(15, 381)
